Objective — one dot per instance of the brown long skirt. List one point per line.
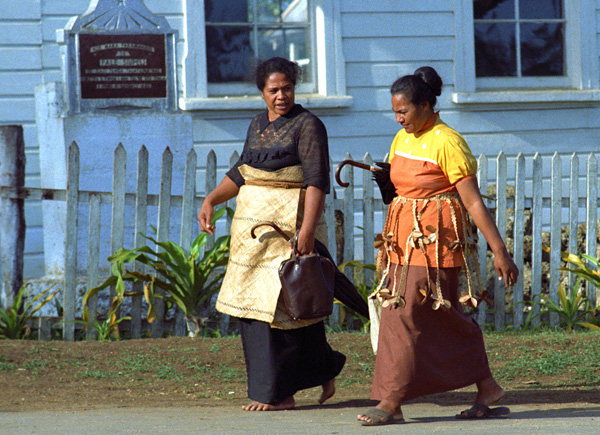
(423, 351)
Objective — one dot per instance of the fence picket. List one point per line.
(573, 214)
(141, 225)
(518, 238)
(187, 221)
(591, 217)
(162, 228)
(536, 242)
(555, 232)
(500, 287)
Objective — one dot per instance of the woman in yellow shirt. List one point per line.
(426, 343)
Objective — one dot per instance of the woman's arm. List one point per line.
(314, 203)
(226, 190)
(471, 198)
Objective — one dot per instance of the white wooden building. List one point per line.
(519, 75)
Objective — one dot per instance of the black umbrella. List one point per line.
(343, 289)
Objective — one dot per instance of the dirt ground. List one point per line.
(182, 371)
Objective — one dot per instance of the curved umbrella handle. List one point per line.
(351, 163)
(272, 225)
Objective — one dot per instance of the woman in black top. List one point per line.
(282, 176)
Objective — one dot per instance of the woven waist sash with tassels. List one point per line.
(417, 241)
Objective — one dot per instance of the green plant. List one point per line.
(572, 310)
(13, 320)
(575, 308)
(106, 329)
(188, 280)
(581, 270)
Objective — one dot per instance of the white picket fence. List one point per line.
(362, 210)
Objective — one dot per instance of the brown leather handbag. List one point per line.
(307, 281)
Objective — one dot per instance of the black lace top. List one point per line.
(297, 138)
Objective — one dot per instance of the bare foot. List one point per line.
(488, 391)
(287, 403)
(328, 391)
(387, 406)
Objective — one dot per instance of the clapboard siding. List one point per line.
(396, 49)
(20, 33)
(20, 59)
(365, 75)
(17, 110)
(386, 24)
(19, 83)
(20, 9)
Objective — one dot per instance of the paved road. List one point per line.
(563, 418)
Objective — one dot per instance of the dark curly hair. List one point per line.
(424, 85)
(276, 65)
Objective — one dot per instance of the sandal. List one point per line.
(379, 417)
(480, 410)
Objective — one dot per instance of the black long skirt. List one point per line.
(280, 362)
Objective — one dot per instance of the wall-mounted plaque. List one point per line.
(122, 66)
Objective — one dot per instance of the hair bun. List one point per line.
(431, 79)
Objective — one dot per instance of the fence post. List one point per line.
(12, 214)
(70, 280)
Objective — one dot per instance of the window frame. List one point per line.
(329, 72)
(581, 82)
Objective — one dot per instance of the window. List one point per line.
(519, 38)
(522, 46)
(224, 39)
(241, 32)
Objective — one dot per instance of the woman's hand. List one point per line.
(205, 217)
(226, 190)
(306, 243)
(471, 198)
(506, 268)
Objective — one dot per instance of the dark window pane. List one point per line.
(273, 11)
(495, 54)
(548, 9)
(493, 9)
(542, 49)
(227, 11)
(229, 54)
